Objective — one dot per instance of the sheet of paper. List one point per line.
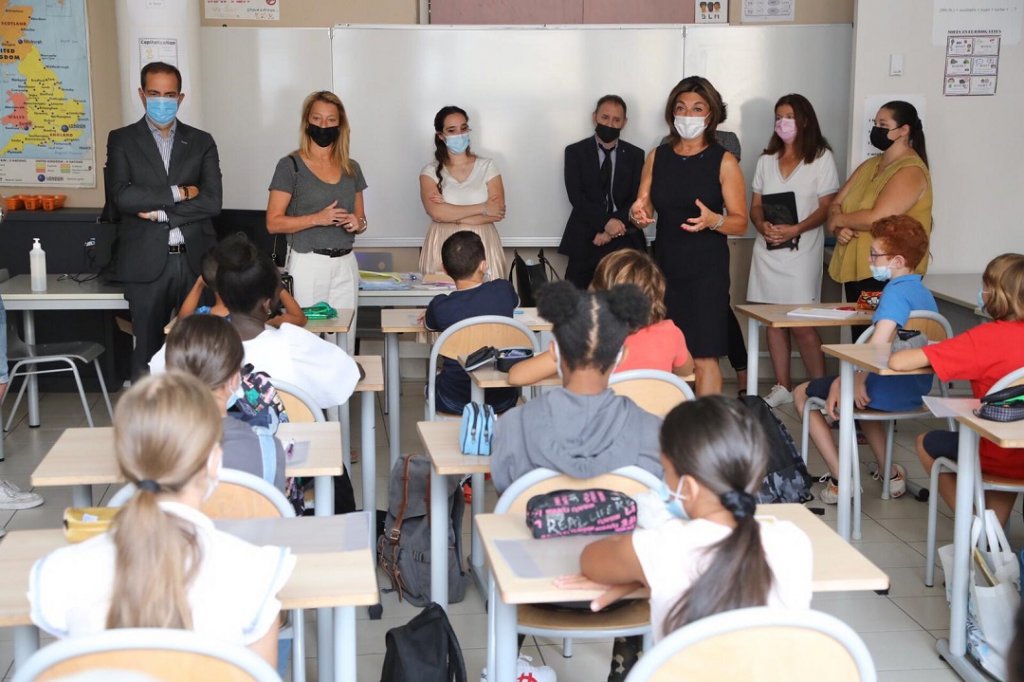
(826, 313)
(544, 558)
(304, 534)
(946, 408)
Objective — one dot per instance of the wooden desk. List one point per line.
(488, 377)
(1003, 434)
(84, 457)
(837, 567)
(338, 580)
(63, 294)
(777, 315)
(407, 321)
(874, 359)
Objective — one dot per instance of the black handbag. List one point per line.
(528, 277)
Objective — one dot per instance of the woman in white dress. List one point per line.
(460, 191)
(787, 261)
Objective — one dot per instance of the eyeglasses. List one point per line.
(873, 255)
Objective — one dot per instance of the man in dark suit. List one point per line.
(165, 181)
(602, 176)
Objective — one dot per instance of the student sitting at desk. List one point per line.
(899, 244)
(209, 348)
(163, 564)
(582, 429)
(712, 555)
(463, 258)
(983, 355)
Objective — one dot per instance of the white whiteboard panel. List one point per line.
(752, 66)
(529, 92)
(253, 84)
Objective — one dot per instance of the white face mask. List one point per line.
(558, 360)
(213, 477)
(690, 127)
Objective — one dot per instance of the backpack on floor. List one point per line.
(403, 552)
(787, 479)
(423, 650)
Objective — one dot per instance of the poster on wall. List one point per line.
(972, 64)
(252, 10)
(966, 17)
(46, 124)
(872, 103)
(756, 11)
(158, 50)
(711, 11)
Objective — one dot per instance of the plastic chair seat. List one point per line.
(83, 351)
(635, 616)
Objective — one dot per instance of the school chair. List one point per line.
(299, 405)
(462, 338)
(936, 328)
(628, 620)
(652, 390)
(982, 483)
(759, 644)
(241, 495)
(150, 653)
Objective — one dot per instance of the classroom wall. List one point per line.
(974, 143)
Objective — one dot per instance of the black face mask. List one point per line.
(606, 133)
(880, 138)
(324, 137)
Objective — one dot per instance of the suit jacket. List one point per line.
(139, 183)
(586, 194)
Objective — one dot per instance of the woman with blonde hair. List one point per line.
(316, 199)
(163, 564)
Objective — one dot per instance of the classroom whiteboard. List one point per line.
(529, 92)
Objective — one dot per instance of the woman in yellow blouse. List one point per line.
(895, 182)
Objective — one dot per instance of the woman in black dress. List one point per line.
(697, 189)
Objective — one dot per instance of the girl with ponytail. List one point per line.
(713, 556)
(163, 564)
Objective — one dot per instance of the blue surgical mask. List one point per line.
(234, 397)
(161, 110)
(981, 299)
(674, 500)
(457, 144)
(883, 273)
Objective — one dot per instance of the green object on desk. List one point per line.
(320, 311)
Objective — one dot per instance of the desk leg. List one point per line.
(81, 496)
(369, 462)
(345, 418)
(344, 645)
(394, 389)
(753, 354)
(476, 394)
(325, 644)
(847, 457)
(967, 454)
(439, 539)
(323, 493)
(506, 651)
(29, 318)
(477, 551)
(26, 643)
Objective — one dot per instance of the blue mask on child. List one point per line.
(883, 273)
(161, 110)
(981, 299)
(674, 500)
(457, 143)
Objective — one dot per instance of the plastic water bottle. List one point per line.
(37, 266)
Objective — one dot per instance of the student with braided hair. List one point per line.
(582, 429)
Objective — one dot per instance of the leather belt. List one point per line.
(176, 248)
(332, 253)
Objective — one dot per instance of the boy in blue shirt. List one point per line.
(462, 256)
(898, 245)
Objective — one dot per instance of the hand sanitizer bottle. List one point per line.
(37, 266)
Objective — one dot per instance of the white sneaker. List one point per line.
(830, 493)
(527, 672)
(12, 497)
(897, 483)
(779, 395)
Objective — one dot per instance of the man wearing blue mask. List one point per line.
(164, 179)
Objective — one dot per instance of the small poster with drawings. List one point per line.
(972, 63)
(711, 11)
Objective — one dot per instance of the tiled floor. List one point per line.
(900, 628)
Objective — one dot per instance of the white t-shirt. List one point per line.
(233, 596)
(673, 556)
(299, 357)
(473, 190)
(784, 275)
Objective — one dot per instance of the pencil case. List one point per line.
(580, 512)
(82, 523)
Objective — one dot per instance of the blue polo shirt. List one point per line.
(897, 394)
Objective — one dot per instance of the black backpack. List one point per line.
(423, 650)
(787, 479)
(403, 551)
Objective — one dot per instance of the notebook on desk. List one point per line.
(823, 313)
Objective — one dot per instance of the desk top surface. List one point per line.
(322, 578)
(401, 320)
(838, 566)
(84, 456)
(441, 441)
(489, 377)
(870, 357)
(777, 315)
(373, 367)
(339, 324)
(18, 295)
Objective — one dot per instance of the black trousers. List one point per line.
(853, 291)
(152, 304)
